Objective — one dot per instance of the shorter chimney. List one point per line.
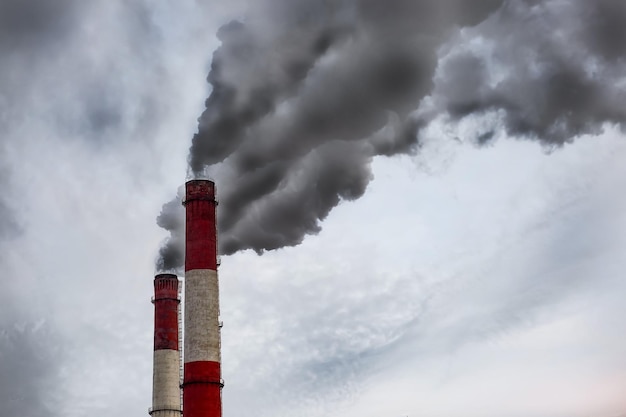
(166, 396)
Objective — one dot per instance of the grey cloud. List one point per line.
(103, 116)
(29, 358)
(26, 24)
(9, 225)
(76, 73)
(315, 334)
(30, 352)
(31, 33)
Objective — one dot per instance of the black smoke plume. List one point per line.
(306, 93)
(561, 71)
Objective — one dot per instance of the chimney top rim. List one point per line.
(162, 275)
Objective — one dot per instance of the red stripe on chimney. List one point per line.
(200, 240)
(202, 390)
(166, 312)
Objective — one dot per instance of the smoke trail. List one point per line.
(306, 93)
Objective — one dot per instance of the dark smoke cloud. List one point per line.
(347, 60)
(554, 71)
(307, 93)
(304, 95)
(604, 32)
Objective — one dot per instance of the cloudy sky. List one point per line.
(449, 183)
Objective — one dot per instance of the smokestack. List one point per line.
(202, 384)
(166, 368)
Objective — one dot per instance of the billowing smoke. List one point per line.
(549, 72)
(306, 93)
(172, 252)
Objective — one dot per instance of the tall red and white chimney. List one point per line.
(166, 365)
(202, 383)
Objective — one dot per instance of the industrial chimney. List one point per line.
(166, 368)
(202, 383)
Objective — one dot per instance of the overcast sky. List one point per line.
(479, 274)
